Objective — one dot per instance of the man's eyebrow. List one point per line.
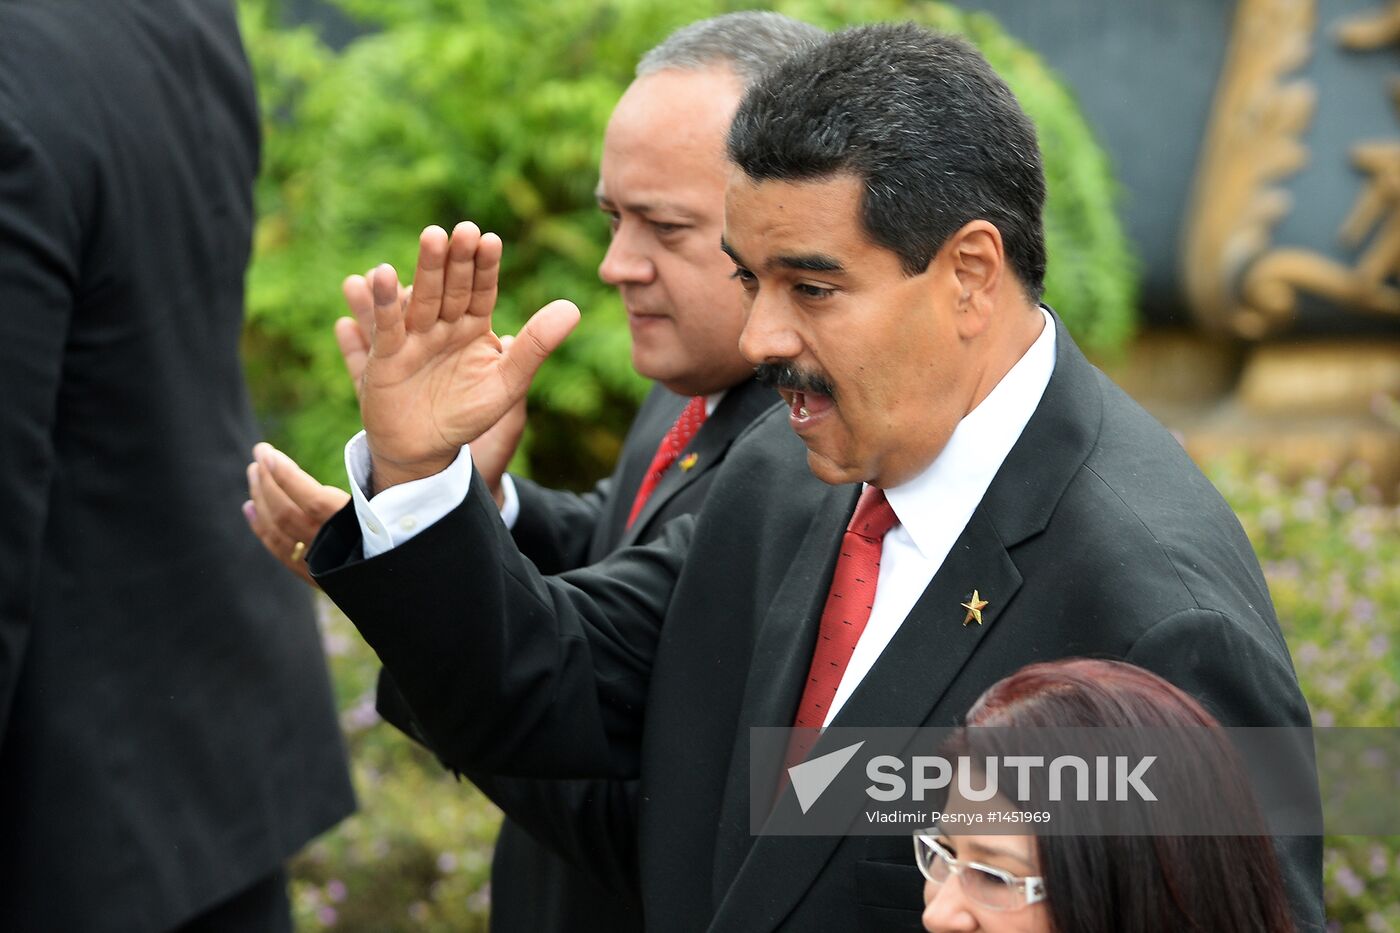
(808, 262)
(645, 208)
(811, 262)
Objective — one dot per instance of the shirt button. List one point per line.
(408, 523)
(373, 528)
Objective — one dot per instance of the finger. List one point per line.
(269, 538)
(462, 260)
(540, 336)
(388, 333)
(354, 348)
(487, 275)
(425, 301)
(273, 539)
(364, 311)
(275, 505)
(316, 501)
(359, 299)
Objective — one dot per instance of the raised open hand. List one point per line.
(436, 376)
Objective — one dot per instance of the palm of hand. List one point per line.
(437, 376)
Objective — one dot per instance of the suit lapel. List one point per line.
(925, 656)
(735, 412)
(903, 688)
(778, 670)
(654, 418)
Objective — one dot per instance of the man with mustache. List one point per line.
(952, 492)
(662, 187)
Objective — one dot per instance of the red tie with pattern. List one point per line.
(676, 439)
(847, 611)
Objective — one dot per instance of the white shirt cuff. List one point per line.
(400, 512)
(510, 506)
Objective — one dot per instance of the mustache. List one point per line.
(788, 376)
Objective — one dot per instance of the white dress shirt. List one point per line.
(933, 508)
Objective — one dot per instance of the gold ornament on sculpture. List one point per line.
(1234, 280)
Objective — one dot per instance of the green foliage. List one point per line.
(494, 112)
(417, 855)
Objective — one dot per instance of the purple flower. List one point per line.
(447, 863)
(336, 890)
(1350, 882)
(361, 716)
(1361, 539)
(327, 915)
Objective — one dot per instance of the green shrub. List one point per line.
(494, 112)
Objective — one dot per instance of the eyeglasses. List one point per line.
(989, 887)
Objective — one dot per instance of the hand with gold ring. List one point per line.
(287, 507)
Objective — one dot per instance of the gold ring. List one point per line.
(298, 550)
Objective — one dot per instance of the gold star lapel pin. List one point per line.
(974, 607)
(689, 461)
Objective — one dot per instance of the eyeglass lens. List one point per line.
(984, 887)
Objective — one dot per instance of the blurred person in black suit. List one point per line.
(167, 733)
(560, 862)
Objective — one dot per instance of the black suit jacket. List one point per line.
(167, 734)
(566, 856)
(1098, 536)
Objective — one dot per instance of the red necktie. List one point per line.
(676, 439)
(847, 609)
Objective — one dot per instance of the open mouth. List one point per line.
(806, 407)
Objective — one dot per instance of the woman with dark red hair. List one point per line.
(1135, 883)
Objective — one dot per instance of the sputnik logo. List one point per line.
(811, 778)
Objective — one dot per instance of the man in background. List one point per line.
(662, 188)
(167, 733)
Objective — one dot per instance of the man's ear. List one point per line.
(977, 258)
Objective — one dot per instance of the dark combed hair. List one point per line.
(920, 117)
(1141, 883)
